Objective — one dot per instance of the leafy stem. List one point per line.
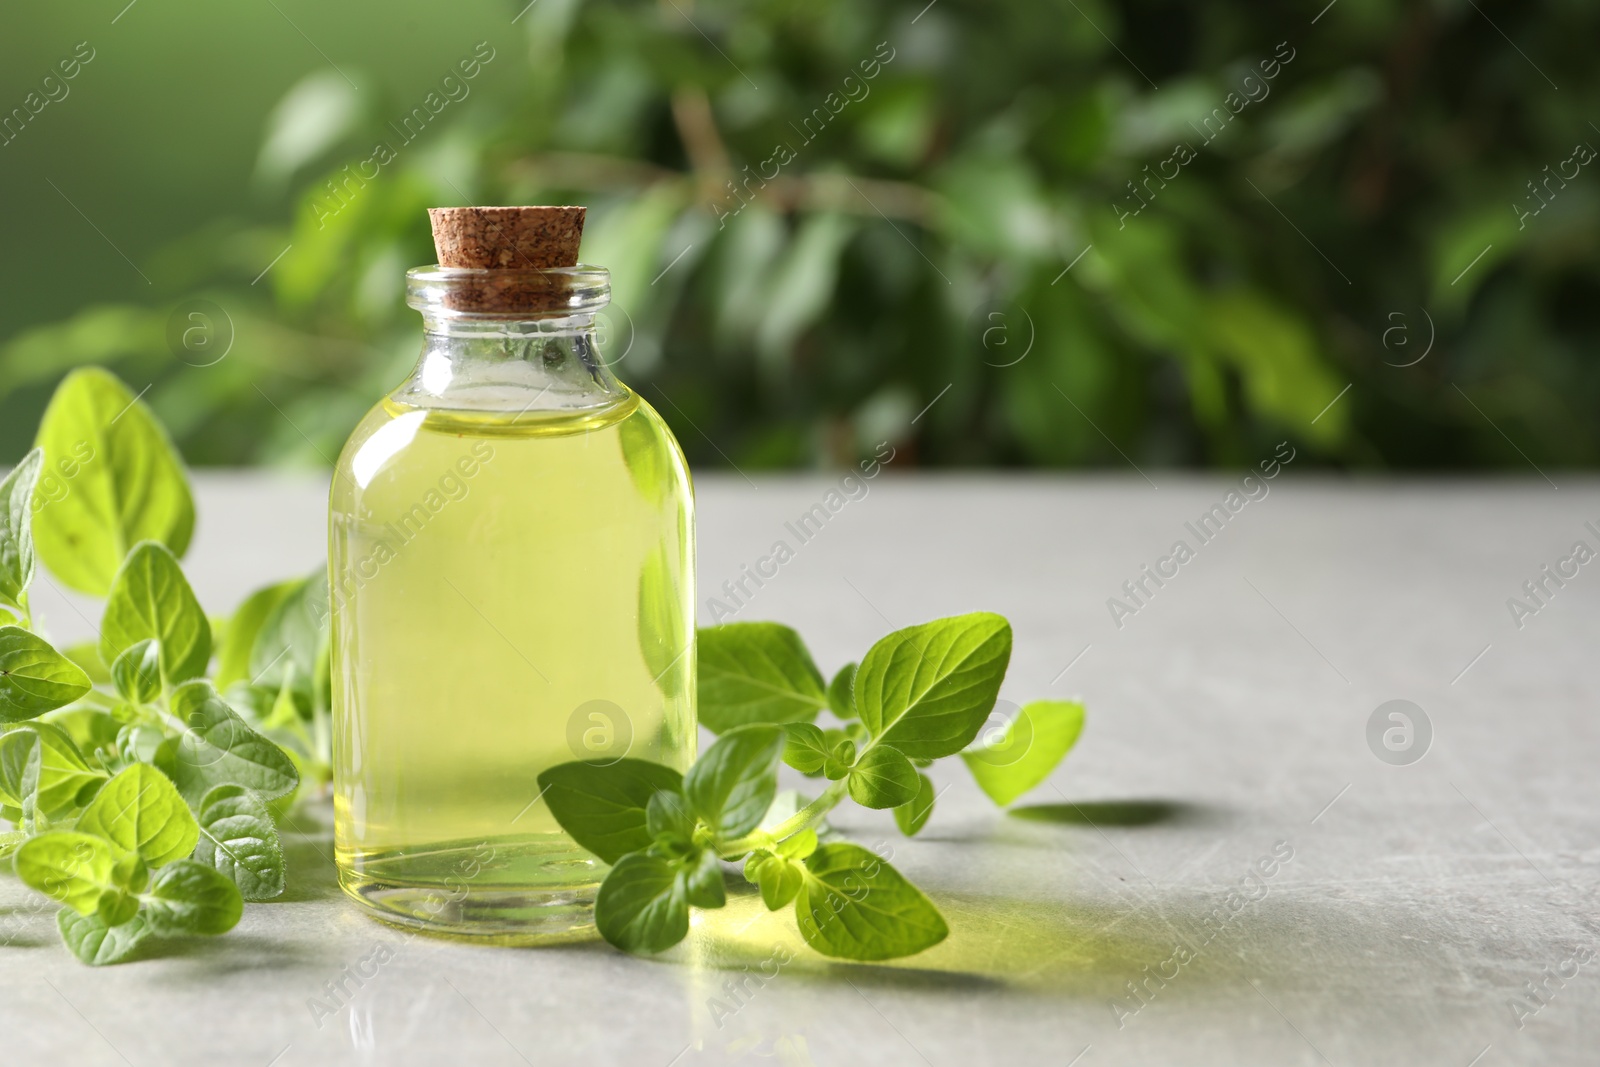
(137, 792)
(919, 695)
(807, 818)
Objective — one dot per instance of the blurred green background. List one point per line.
(946, 255)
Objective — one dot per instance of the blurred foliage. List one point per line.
(901, 268)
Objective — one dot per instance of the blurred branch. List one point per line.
(825, 191)
(853, 195)
(1373, 168)
(712, 170)
(697, 129)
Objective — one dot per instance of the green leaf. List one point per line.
(668, 815)
(778, 877)
(928, 688)
(16, 527)
(95, 943)
(151, 600)
(852, 905)
(1275, 353)
(19, 775)
(72, 868)
(255, 704)
(756, 672)
(841, 757)
(883, 778)
(703, 882)
(802, 283)
(90, 728)
(805, 748)
(287, 719)
(733, 782)
(64, 776)
(116, 906)
(140, 811)
(190, 898)
(34, 677)
(239, 636)
(238, 838)
(124, 482)
(603, 807)
(841, 692)
(137, 672)
(912, 816)
(217, 748)
(798, 846)
(293, 639)
(1022, 754)
(643, 904)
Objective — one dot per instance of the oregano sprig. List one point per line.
(139, 794)
(918, 695)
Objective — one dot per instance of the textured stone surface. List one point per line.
(1233, 708)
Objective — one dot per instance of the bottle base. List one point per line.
(533, 890)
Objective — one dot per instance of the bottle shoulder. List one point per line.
(652, 452)
(394, 434)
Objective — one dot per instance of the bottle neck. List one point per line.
(518, 366)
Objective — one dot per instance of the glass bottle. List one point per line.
(512, 576)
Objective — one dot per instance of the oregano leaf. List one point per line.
(852, 905)
(150, 599)
(126, 483)
(882, 778)
(927, 689)
(755, 672)
(603, 806)
(16, 528)
(34, 677)
(239, 838)
(642, 905)
(733, 782)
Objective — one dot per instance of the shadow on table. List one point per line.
(235, 953)
(307, 839)
(1124, 945)
(1120, 813)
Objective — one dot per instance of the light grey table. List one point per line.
(1228, 718)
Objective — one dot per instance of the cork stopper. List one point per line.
(517, 240)
(507, 238)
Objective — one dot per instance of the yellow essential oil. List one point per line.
(512, 580)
